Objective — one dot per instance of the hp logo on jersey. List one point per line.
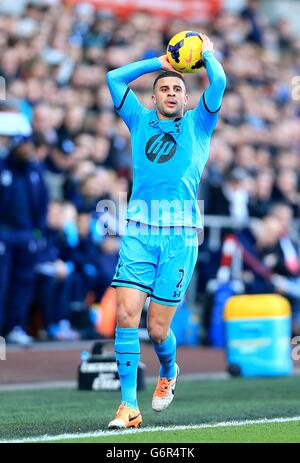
(161, 148)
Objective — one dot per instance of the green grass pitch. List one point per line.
(53, 412)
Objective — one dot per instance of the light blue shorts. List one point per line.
(157, 260)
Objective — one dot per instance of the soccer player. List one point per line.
(170, 148)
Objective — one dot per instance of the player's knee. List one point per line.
(157, 333)
(126, 316)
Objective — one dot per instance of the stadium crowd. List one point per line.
(55, 253)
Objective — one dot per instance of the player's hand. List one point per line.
(207, 44)
(165, 63)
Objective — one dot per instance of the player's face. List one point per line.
(170, 97)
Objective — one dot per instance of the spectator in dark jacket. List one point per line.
(259, 245)
(231, 198)
(250, 15)
(286, 190)
(87, 196)
(256, 248)
(54, 270)
(289, 249)
(260, 203)
(23, 209)
(287, 265)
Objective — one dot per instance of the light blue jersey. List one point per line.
(168, 160)
(168, 155)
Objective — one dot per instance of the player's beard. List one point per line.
(170, 113)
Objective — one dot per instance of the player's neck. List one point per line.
(162, 117)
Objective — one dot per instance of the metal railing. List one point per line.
(217, 223)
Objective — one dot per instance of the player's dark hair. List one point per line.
(164, 74)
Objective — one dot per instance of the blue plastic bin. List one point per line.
(258, 335)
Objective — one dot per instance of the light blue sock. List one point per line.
(166, 352)
(127, 351)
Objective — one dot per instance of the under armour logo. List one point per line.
(127, 364)
(176, 293)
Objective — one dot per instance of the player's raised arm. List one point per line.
(211, 100)
(123, 97)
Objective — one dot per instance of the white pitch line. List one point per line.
(223, 424)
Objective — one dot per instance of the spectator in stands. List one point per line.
(287, 267)
(121, 150)
(88, 194)
(43, 122)
(253, 247)
(290, 247)
(41, 148)
(94, 262)
(286, 190)
(71, 127)
(54, 277)
(74, 179)
(230, 198)
(250, 15)
(260, 202)
(23, 209)
(220, 162)
(100, 155)
(245, 158)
